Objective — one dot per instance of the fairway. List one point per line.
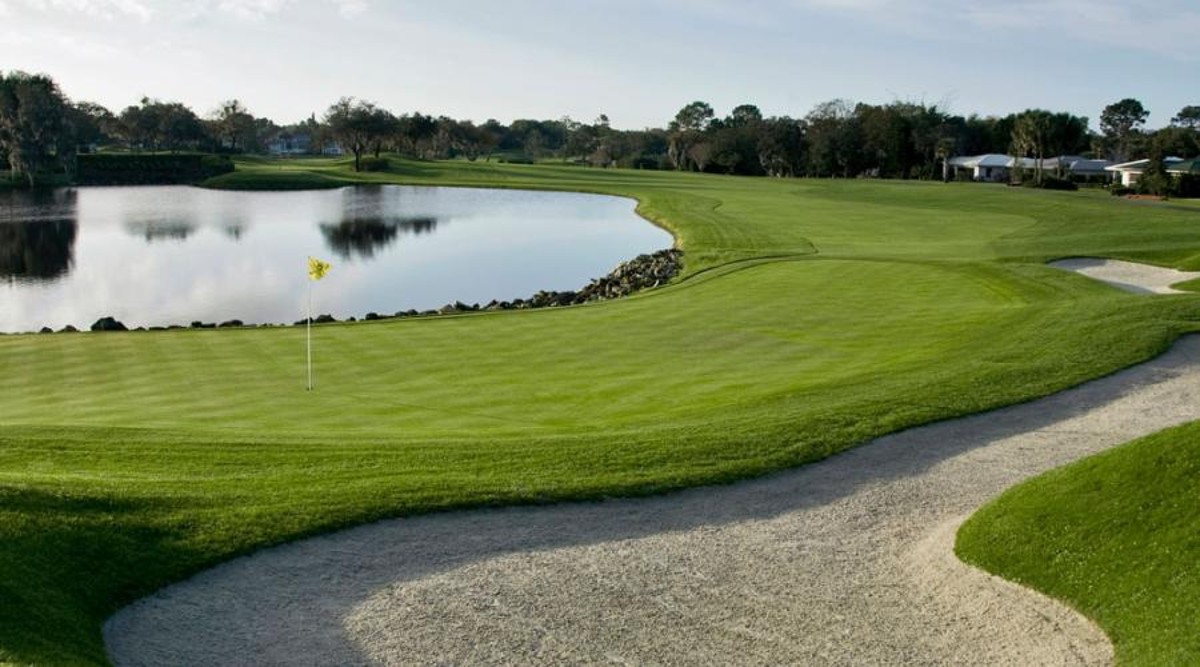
(811, 316)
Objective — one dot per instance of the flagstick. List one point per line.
(310, 335)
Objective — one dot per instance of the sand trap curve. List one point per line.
(1129, 276)
(848, 561)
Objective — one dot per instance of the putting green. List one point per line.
(811, 317)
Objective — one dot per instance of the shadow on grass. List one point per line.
(62, 578)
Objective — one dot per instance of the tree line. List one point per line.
(41, 132)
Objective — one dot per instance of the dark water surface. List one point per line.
(174, 254)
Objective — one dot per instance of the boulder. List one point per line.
(108, 324)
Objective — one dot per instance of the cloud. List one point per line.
(251, 10)
(146, 10)
(1150, 26)
(107, 9)
(1135, 25)
(351, 8)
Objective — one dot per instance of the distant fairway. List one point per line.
(811, 316)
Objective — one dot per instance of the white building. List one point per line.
(1076, 167)
(1129, 173)
(990, 168)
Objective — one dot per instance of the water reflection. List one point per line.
(372, 216)
(155, 256)
(161, 230)
(37, 235)
(363, 237)
(37, 250)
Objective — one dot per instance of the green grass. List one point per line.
(811, 316)
(1116, 535)
(1192, 285)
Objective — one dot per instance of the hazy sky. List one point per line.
(638, 61)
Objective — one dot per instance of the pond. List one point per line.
(164, 255)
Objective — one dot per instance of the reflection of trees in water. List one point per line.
(37, 234)
(37, 249)
(364, 236)
(28, 206)
(161, 231)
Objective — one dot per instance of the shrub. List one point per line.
(374, 164)
(1055, 183)
(215, 165)
(1121, 191)
(1187, 186)
(148, 168)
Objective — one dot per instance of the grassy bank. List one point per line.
(811, 316)
(1117, 536)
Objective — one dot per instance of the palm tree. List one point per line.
(1030, 135)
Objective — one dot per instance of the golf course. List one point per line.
(811, 316)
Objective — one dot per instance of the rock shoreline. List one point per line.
(640, 273)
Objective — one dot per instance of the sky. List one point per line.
(636, 61)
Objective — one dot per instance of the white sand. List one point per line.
(1129, 276)
(848, 561)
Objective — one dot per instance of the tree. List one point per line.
(834, 140)
(744, 115)
(700, 154)
(686, 130)
(32, 122)
(781, 147)
(157, 125)
(413, 134)
(381, 127)
(1120, 121)
(1188, 117)
(1176, 140)
(91, 123)
(1155, 180)
(735, 139)
(179, 127)
(138, 126)
(234, 125)
(581, 139)
(355, 125)
(1031, 134)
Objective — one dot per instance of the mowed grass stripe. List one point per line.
(539, 368)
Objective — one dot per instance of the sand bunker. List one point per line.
(847, 561)
(1129, 276)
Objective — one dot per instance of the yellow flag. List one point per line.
(317, 269)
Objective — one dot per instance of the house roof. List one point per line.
(1191, 166)
(1075, 164)
(1140, 165)
(990, 160)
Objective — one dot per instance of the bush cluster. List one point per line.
(374, 164)
(149, 168)
(1053, 183)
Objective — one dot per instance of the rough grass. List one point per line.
(811, 317)
(1116, 535)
